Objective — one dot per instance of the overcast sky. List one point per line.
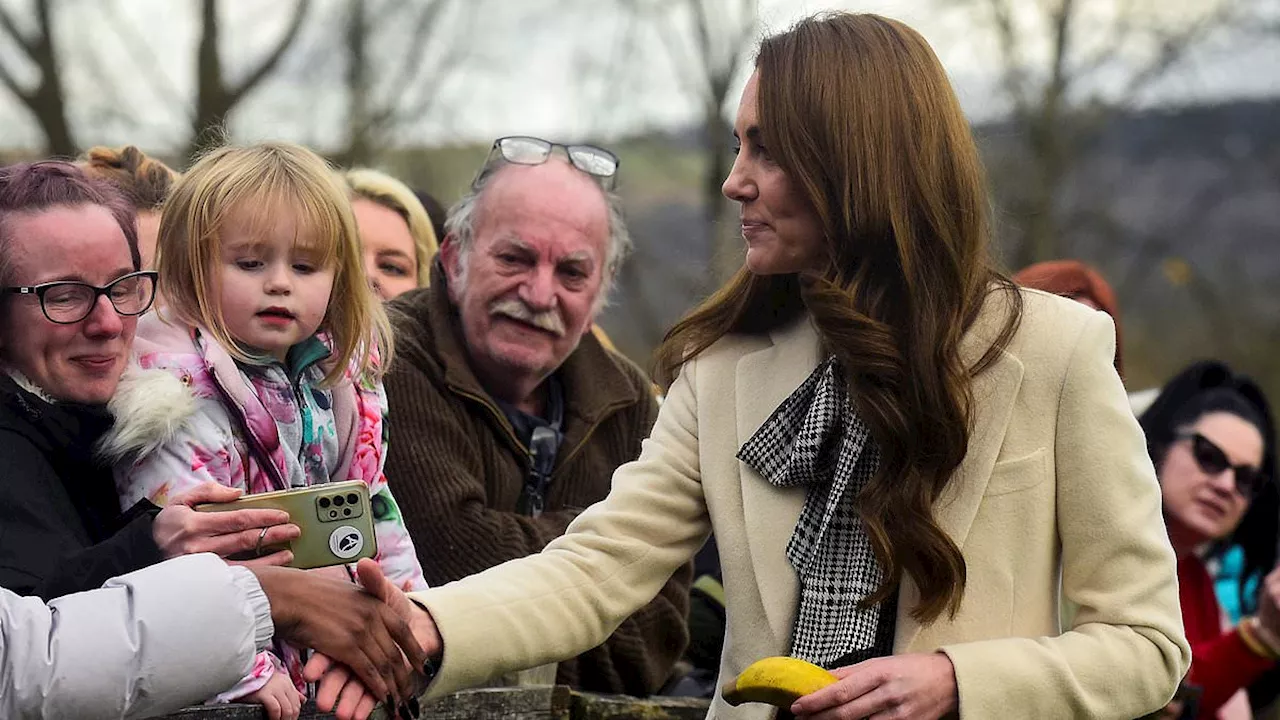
(557, 68)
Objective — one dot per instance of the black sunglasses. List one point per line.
(524, 150)
(1213, 461)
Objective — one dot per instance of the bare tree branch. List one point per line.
(615, 74)
(718, 39)
(13, 86)
(235, 94)
(10, 27)
(144, 59)
(1119, 35)
(1174, 46)
(1013, 73)
(45, 101)
(702, 38)
(412, 90)
(1062, 19)
(426, 78)
(423, 29)
(215, 98)
(683, 59)
(1053, 108)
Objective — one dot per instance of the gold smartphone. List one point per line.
(335, 518)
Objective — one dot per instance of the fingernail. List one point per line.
(404, 714)
(390, 702)
(414, 707)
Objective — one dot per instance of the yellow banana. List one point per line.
(777, 681)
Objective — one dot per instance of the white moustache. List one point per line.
(548, 320)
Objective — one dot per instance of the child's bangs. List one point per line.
(317, 224)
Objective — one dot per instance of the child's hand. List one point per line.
(278, 697)
(342, 693)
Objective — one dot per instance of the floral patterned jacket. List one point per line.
(189, 413)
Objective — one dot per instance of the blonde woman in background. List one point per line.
(396, 232)
(143, 180)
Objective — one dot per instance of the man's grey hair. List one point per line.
(461, 221)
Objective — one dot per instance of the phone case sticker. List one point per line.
(346, 542)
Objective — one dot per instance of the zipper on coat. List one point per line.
(304, 416)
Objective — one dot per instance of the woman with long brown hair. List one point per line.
(906, 460)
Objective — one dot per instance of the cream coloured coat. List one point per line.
(1056, 497)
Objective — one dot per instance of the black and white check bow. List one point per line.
(815, 438)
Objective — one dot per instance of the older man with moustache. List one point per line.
(507, 416)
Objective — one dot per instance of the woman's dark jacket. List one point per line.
(61, 529)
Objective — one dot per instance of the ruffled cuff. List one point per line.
(264, 666)
(263, 628)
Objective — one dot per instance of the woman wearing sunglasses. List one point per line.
(1212, 439)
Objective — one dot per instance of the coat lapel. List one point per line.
(768, 376)
(764, 379)
(994, 393)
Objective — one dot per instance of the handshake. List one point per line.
(372, 644)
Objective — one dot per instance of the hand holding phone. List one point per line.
(336, 522)
(180, 530)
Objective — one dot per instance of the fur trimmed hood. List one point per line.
(150, 407)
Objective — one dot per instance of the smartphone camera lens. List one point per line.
(324, 502)
(337, 501)
(353, 499)
(346, 512)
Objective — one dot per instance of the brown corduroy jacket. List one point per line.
(457, 468)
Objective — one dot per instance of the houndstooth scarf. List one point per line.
(816, 438)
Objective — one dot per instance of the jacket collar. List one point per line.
(69, 429)
(24, 383)
(595, 381)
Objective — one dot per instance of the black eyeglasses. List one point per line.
(1213, 461)
(67, 302)
(522, 150)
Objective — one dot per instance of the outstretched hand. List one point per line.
(347, 624)
(424, 628)
(345, 695)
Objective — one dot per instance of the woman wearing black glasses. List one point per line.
(1212, 439)
(70, 295)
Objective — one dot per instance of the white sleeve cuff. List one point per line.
(263, 628)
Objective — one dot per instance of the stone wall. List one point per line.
(522, 703)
